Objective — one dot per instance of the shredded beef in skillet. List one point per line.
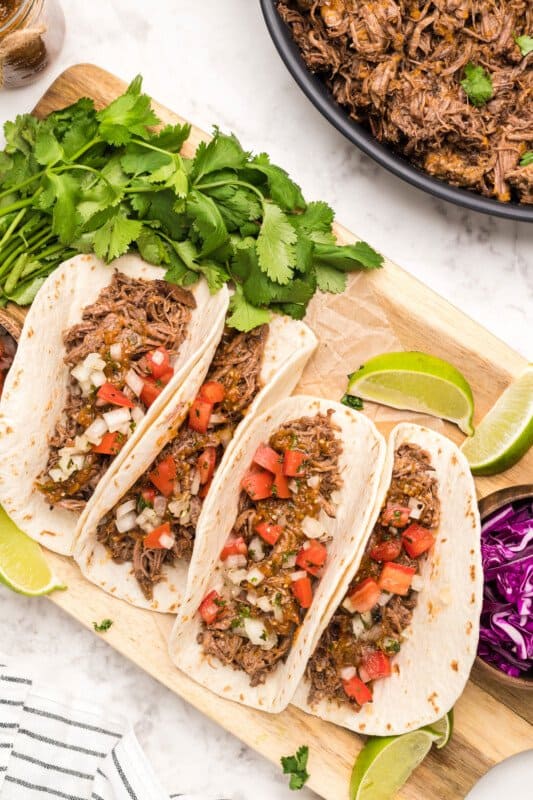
(396, 66)
(237, 366)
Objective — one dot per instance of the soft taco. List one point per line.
(397, 650)
(137, 537)
(102, 351)
(282, 522)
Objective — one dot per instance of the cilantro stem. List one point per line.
(19, 204)
(12, 227)
(18, 187)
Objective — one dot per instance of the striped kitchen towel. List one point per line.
(51, 749)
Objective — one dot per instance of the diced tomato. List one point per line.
(292, 461)
(269, 532)
(235, 546)
(163, 476)
(397, 516)
(110, 394)
(257, 484)
(280, 486)
(375, 665)
(365, 595)
(111, 443)
(148, 495)
(396, 578)
(210, 607)
(417, 540)
(212, 392)
(205, 489)
(150, 391)
(158, 361)
(388, 550)
(199, 415)
(269, 459)
(206, 464)
(357, 690)
(312, 558)
(166, 376)
(303, 591)
(152, 541)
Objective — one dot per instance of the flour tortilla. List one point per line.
(361, 465)
(36, 387)
(431, 669)
(288, 347)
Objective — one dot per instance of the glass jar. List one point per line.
(31, 36)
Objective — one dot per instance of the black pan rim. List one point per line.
(323, 101)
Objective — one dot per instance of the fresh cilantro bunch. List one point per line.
(110, 181)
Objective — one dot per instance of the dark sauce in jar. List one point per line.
(31, 36)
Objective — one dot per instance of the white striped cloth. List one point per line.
(49, 749)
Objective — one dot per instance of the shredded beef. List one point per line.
(397, 69)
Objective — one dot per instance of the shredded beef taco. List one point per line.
(282, 523)
(397, 651)
(137, 538)
(102, 351)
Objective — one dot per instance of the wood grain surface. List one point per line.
(491, 723)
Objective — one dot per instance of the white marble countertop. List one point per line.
(213, 62)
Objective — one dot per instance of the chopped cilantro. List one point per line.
(296, 767)
(104, 625)
(477, 84)
(352, 401)
(525, 43)
(263, 636)
(527, 158)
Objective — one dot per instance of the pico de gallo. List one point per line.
(277, 550)
(121, 358)
(8, 348)
(366, 632)
(155, 522)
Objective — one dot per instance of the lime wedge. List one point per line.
(22, 565)
(385, 763)
(506, 432)
(416, 382)
(441, 730)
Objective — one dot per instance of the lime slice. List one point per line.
(385, 763)
(506, 432)
(416, 382)
(22, 565)
(441, 730)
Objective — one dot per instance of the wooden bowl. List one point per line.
(487, 506)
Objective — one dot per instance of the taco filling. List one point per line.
(8, 348)
(155, 522)
(120, 357)
(277, 550)
(367, 629)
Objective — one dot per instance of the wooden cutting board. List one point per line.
(490, 723)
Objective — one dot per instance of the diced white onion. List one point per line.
(93, 361)
(312, 528)
(126, 522)
(347, 673)
(278, 612)
(314, 481)
(97, 378)
(82, 444)
(237, 576)
(384, 598)
(417, 584)
(297, 576)
(270, 641)
(238, 560)
(348, 605)
(416, 508)
(251, 596)
(255, 576)
(179, 507)
(56, 475)
(357, 625)
(137, 414)
(157, 357)
(195, 482)
(306, 545)
(80, 373)
(148, 520)
(115, 351)
(160, 505)
(290, 561)
(216, 419)
(125, 508)
(293, 486)
(117, 417)
(264, 604)
(125, 429)
(166, 541)
(134, 381)
(257, 549)
(255, 630)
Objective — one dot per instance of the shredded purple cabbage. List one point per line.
(506, 637)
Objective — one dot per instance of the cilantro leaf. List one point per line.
(207, 221)
(215, 275)
(352, 401)
(275, 244)
(347, 257)
(179, 273)
(527, 158)
(222, 152)
(152, 248)
(243, 315)
(296, 767)
(171, 137)
(329, 279)
(525, 43)
(115, 236)
(47, 149)
(283, 191)
(477, 84)
(102, 626)
(65, 215)
(318, 216)
(130, 114)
